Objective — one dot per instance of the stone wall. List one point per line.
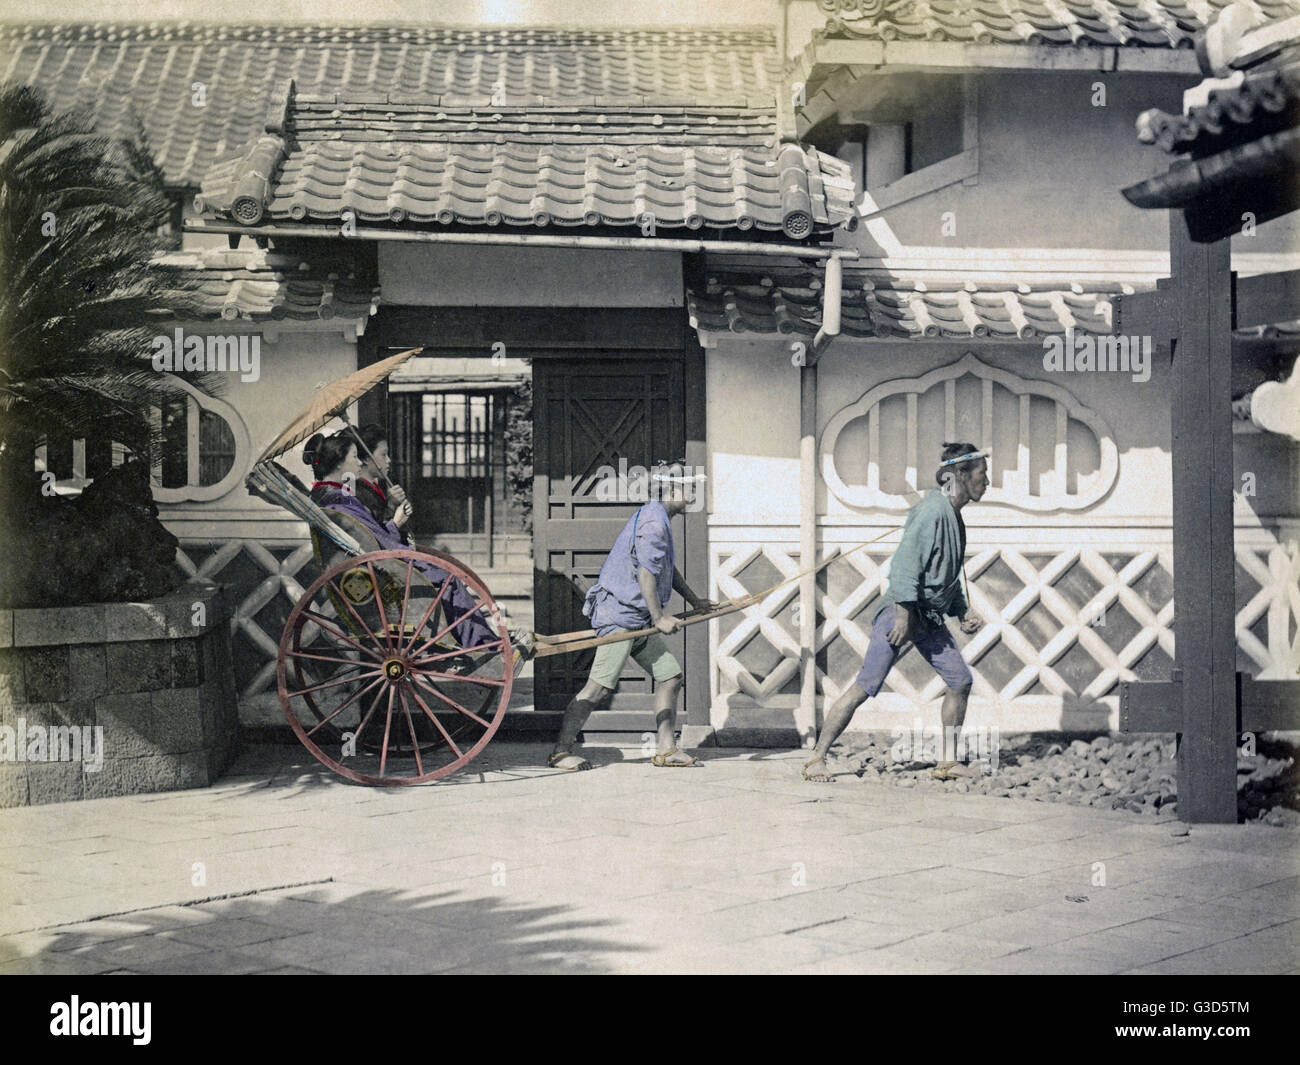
(116, 698)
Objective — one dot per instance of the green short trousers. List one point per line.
(649, 652)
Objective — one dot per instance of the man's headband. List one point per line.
(662, 476)
(679, 478)
(964, 458)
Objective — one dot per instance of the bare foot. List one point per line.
(818, 776)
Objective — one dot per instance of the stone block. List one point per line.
(132, 776)
(77, 712)
(55, 782)
(187, 667)
(12, 691)
(192, 770)
(137, 724)
(13, 784)
(6, 628)
(179, 715)
(147, 773)
(46, 626)
(140, 666)
(137, 621)
(87, 671)
(45, 673)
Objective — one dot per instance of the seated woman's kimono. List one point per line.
(473, 629)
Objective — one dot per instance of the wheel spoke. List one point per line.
(328, 626)
(450, 702)
(468, 678)
(388, 726)
(436, 723)
(334, 683)
(410, 727)
(326, 658)
(443, 656)
(434, 639)
(379, 605)
(356, 736)
(352, 610)
(351, 699)
(406, 598)
(406, 648)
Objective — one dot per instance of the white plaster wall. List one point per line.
(1137, 413)
(753, 418)
(293, 365)
(441, 275)
(753, 437)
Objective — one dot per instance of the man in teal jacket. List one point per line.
(925, 586)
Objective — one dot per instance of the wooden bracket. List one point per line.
(1156, 706)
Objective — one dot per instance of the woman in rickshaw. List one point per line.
(342, 485)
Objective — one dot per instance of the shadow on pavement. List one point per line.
(328, 930)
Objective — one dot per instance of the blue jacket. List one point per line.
(615, 600)
(926, 567)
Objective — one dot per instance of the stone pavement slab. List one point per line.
(738, 866)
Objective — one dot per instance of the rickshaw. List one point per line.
(370, 673)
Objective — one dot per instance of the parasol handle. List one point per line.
(361, 446)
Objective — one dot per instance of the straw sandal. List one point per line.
(662, 760)
(826, 777)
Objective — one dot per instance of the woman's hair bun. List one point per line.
(310, 448)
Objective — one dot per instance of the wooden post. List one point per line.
(1204, 564)
(806, 718)
(695, 563)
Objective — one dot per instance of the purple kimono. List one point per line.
(470, 632)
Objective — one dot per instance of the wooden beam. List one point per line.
(970, 123)
(1268, 705)
(840, 92)
(1267, 299)
(940, 55)
(1204, 563)
(1146, 314)
(1262, 706)
(1151, 706)
(920, 182)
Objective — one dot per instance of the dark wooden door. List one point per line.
(590, 413)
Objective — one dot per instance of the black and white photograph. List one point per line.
(423, 421)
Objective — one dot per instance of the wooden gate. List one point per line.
(590, 414)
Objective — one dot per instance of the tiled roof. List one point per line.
(785, 298)
(1265, 102)
(1139, 23)
(788, 300)
(439, 160)
(256, 285)
(1240, 150)
(153, 70)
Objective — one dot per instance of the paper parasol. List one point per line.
(331, 400)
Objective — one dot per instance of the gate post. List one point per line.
(1204, 563)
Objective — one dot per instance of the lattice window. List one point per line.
(1049, 451)
(203, 454)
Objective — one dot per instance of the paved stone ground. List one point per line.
(734, 867)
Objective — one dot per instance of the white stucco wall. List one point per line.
(446, 275)
(753, 430)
